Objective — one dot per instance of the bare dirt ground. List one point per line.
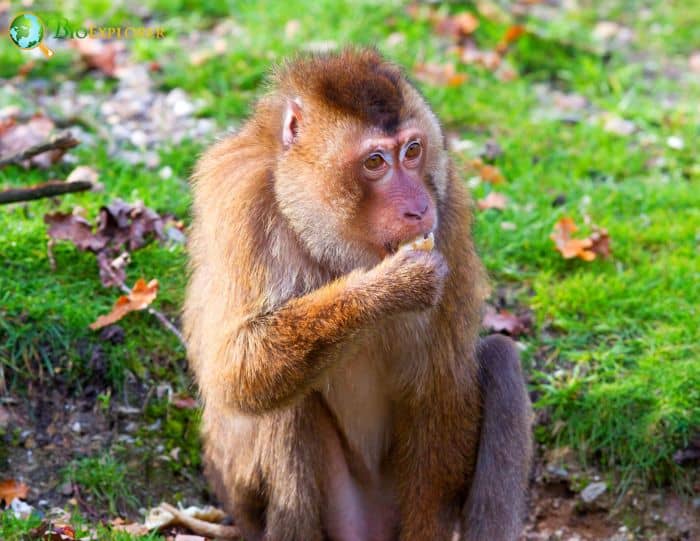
(47, 430)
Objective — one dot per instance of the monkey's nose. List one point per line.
(415, 214)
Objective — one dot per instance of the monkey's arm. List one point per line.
(274, 357)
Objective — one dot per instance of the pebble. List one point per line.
(593, 491)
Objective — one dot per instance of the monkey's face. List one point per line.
(396, 205)
(356, 196)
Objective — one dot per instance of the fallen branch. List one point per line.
(62, 141)
(46, 189)
(201, 527)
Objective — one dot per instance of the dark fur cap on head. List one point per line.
(354, 82)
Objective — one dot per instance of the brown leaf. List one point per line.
(98, 54)
(493, 200)
(439, 74)
(511, 35)
(184, 402)
(570, 247)
(140, 297)
(133, 225)
(11, 489)
(112, 271)
(16, 138)
(120, 226)
(55, 532)
(26, 68)
(490, 60)
(488, 173)
(457, 26)
(75, 228)
(503, 321)
(600, 242)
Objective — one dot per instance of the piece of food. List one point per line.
(424, 244)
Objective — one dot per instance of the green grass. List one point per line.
(21, 529)
(621, 372)
(103, 481)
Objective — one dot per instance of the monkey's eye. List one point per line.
(412, 150)
(374, 162)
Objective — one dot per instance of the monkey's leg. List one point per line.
(435, 459)
(292, 460)
(496, 502)
(265, 470)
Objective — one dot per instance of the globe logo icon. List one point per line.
(27, 31)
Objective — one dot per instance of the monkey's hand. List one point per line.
(410, 280)
(285, 350)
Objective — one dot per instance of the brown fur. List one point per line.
(325, 369)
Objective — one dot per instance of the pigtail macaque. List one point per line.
(332, 318)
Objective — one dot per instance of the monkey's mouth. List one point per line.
(424, 243)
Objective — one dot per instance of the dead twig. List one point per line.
(62, 141)
(45, 189)
(201, 527)
(49, 254)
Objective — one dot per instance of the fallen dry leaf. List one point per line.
(73, 227)
(488, 173)
(140, 297)
(490, 60)
(491, 10)
(458, 26)
(439, 74)
(120, 227)
(184, 402)
(99, 54)
(11, 489)
(493, 200)
(570, 247)
(511, 35)
(569, 102)
(600, 242)
(17, 137)
(619, 126)
(503, 321)
(54, 532)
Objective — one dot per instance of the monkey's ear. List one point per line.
(292, 119)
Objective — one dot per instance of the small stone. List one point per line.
(76, 427)
(21, 509)
(165, 172)
(593, 491)
(675, 142)
(66, 488)
(83, 172)
(619, 126)
(139, 138)
(151, 159)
